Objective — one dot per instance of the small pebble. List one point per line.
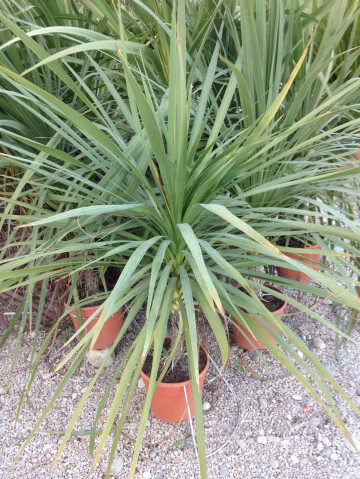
(274, 463)
(358, 390)
(326, 441)
(87, 428)
(248, 433)
(314, 422)
(206, 406)
(319, 446)
(318, 343)
(327, 452)
(294, 459)
(241, 443)
(147, 475)
(261, 432)
(47, 447)
(32, 334)
(2, 391)
(334, 456)
(304, 461)
(152, 454)
(224, 471)
(254, 357)
(73, 395)
(268, 430)
(263, 403)
(285, 442)
(274, 439)
(96, 357)
(297, 397)
(117, 466)
(261, 440)
(141, 383)
(352, 383)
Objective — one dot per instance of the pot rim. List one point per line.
(182, 383)
(311, 246)
(268, 285)
(86, 307)
(89, 310)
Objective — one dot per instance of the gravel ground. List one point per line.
(281, 433)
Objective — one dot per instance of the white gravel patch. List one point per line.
(282, 432)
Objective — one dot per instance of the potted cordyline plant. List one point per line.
(155, 198)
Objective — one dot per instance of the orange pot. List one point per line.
(110, 329)
(243, 335)
(299, 275)
(357, 157)
(168, 402)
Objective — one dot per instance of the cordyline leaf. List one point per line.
(131, 48)
(85, 211)
(41, 53)
(195, 250)
(77, 118)
(155, 268)
(51, 402)
(120, 392)
(122, 285)
(195, 389)
(273, 109)
(224, 213)
(157, 303)
(85, 396)
(159, 336)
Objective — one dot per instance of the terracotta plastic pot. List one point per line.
(243, 335)
(169, 402)
(357, 157)
(110, 329)
(299, 275)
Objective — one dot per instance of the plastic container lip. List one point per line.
(183, 383)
